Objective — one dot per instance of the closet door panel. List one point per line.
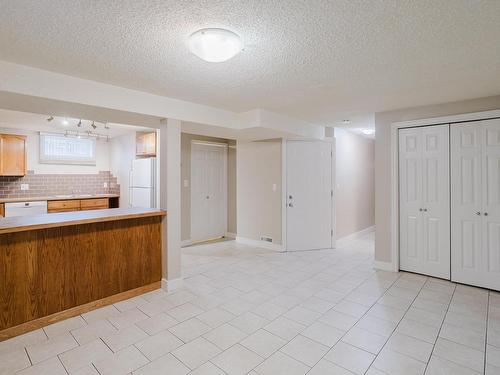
(466, 197)
(436, 198)
(491, 204)
(410, 172)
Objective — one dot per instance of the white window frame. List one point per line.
(47, 159)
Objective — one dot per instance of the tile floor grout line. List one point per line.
(486, 335)
(440, 328)
(29, 358)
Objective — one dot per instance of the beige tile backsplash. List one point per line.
(41, 185)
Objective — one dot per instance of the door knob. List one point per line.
(290, 197)
(425, 209)
(208, 197)
(420, 209)
(478, 213)
(290, 204)
(485, 214)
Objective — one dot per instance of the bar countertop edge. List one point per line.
(55, 220)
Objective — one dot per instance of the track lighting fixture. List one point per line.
(106, 126)
(50, 119)
(94, 126)
(79, 124)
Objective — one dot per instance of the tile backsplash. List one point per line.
(41, 185)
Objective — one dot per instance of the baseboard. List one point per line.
(186, 243)
(358, 234)
(74, 311)
(230, 235)
(260, 244)
(171, 285)
(384, 266)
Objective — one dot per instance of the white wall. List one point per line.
(122, 152)
(355, 182)
(259, 166)
(33, 142)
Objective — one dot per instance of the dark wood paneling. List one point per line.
(46, 271)
(2, 209)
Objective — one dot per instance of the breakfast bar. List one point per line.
(55, 266)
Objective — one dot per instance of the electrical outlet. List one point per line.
(25, 186)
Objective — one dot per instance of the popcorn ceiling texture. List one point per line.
(41, 185)
(320, 60)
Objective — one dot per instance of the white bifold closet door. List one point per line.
(208, 190)
(424, 200)
(475, 197)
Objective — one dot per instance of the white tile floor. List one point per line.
(251, 311)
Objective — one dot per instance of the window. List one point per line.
(61, 149)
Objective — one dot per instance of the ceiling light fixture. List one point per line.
(65, 122)
(368, 131)
(215, 45)
(346, 122)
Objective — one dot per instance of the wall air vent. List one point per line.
(266, 239)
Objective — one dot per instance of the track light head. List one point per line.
(94, 126)
(50, 119)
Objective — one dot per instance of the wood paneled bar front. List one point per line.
(56, 266)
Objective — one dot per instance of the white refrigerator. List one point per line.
(143, 183)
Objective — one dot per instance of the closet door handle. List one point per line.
(420, 209)
(485, 214)
(425, 209)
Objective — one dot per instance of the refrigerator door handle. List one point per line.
(130, 179)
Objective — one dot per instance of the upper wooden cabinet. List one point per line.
(145, 144)
(13, 155)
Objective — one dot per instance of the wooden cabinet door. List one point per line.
(63, 206)
(94, 204)
(146, 144)
(12, 155)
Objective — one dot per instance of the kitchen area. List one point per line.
(51, 164)
(80, 226)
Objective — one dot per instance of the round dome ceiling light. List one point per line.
(215, 45)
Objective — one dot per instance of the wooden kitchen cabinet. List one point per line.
(13, 155)
(145, 144)
(94, 204)
(63, 206)
(68, 205)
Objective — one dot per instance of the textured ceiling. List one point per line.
(319, 60)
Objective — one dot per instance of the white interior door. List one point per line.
(309, 215)
(475, 175)
(208, 190)
(424, 200)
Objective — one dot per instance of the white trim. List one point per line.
(209, 143)
(283, 194)
(185, 243)
(358, 234)
(383, 266)
(394, 184)
(171, 285)
(260, 244)
(465, 117)
(230, 235)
